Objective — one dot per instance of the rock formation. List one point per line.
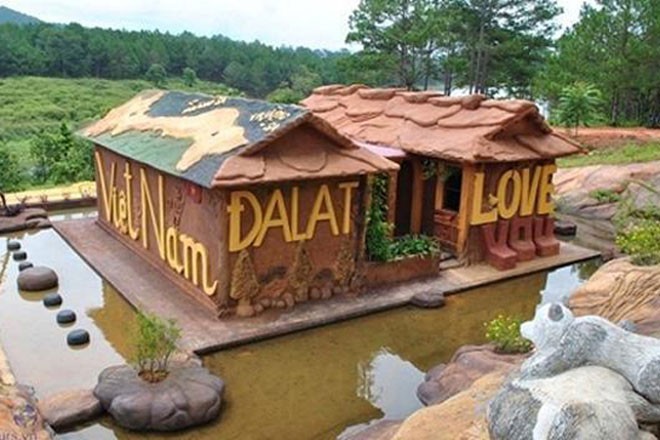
(587, 379)
(189, 396)
(620, 291)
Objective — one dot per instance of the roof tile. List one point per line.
(460, 128)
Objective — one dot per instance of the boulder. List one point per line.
(463, 416)
(37, 278)
(70, 408)
(428, 300)
(584, 403)
(188, 396)
(25, 219)
(621, 291)
(468, 364)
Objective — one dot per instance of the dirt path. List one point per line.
(603, 137)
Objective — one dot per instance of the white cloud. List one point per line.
(311, 23)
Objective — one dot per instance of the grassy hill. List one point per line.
(10, 16)
(31, 105)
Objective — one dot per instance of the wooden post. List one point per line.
(417, 197)
(467, 188)
(391, 197)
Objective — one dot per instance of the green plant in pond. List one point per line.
(604, 195)
(411, 245)
(156, 342)
(504, 333)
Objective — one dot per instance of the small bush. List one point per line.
(411, 245)
(605, 195)
(641, 241)
(504, 332)
(156, 342)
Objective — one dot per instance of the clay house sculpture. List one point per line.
(245, 205)
(475, 173)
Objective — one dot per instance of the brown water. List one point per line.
(309, 385)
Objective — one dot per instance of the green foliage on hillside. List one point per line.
(74, 51)
(34, 109)
(616, 47)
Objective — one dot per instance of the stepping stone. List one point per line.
(66, 316)
(428, 300)
(13, 245)
(52, 300)
(34, 279)
(24, 265)
(565, 228)
(20, 256)
(77, 337)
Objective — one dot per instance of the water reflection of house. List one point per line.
(475, 173)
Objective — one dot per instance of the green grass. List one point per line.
(29, 105)
(630, 153)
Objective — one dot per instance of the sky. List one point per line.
(318, 24)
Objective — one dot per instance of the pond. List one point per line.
(308, 385)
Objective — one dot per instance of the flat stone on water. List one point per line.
(66, 316)
(24, 265)
(37, 278)
(52, 300)
(77, 337)
(19, 256)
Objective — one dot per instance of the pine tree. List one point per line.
(300, 277)
(244, 284)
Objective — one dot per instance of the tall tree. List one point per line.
(401, 29)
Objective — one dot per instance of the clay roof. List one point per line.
(457, 128)
(218, 140)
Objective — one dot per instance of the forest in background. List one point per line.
(603, 70)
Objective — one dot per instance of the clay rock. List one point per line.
(428, 300)
(468, 364)
(189, 396)
(70, 408)
(620, 291)
(19, 416)
(37, 278)
(381, 430)
(564, 342)
(584, 403)
(463, 416)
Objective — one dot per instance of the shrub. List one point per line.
(11, 177)
(504, 332)
(411, 245)
(156, 342)
(605, 195)
(641, 241)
